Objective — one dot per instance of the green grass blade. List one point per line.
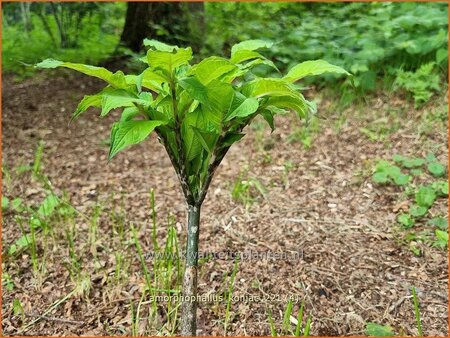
(273, 331)
(307, 327)
(230, 293)
(287, 318)
(417, 311)
(298, 327)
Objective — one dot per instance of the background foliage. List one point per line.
(381, 43)
(392, 46)
(89, 33)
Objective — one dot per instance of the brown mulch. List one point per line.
(354, 267)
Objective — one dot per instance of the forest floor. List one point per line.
(355, 265)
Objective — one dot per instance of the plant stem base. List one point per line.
(189, 304)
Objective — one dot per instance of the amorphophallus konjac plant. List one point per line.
(198, 111)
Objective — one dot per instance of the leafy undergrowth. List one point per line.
(91, 30)
(421, 184)
(399, 46)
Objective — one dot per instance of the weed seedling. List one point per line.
(247, 190)
(401, 173)
(300, 329)
(417, 311)
(229, 296)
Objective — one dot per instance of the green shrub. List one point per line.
(422, 83)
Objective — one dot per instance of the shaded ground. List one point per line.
(354, 267)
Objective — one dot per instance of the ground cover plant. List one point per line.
(198, 113)
(422, 183)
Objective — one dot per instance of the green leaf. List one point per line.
(191, 144)
(441, 238)
(415, 250)
(312, 106)
(413, 162)
(405, 220)
(277, 111)
(246, 55)
(256, 59)
(392, 171)
(129, 113)
(150, 79)
(220, 96)
(269, 87)
(23, 241)
(425, 196)
(376, 330)
(246, 108)
(268, 116)
(444, 188)
(35, 222)
(124, 134)
(431, 157)
(197, 90)
(20, 244)
(316, 67)
(185, 102)
(17, 308)
(297, 104)
(380, 177)
(216, 97)
(87, 102)
(158, 45)
(441, 55)
(440, 222)
(207, 139)
(122, 98)
(440, 187)
(250, 45)
(436, 169)
(417, 211)
(212, 68)
(16, 204)
(401, 179)
(167, 61)
(116, 80)
(48, 206)
(398, 158)
(12, 249)
(382, 165)
(5, 202)
(416, 172)
(239, 72)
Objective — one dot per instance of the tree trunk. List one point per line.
(58, 19)
(189, 301)
(136, 26)
(42, 15)
(25, 10)
(164, 21)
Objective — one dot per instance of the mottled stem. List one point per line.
(189, 303)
